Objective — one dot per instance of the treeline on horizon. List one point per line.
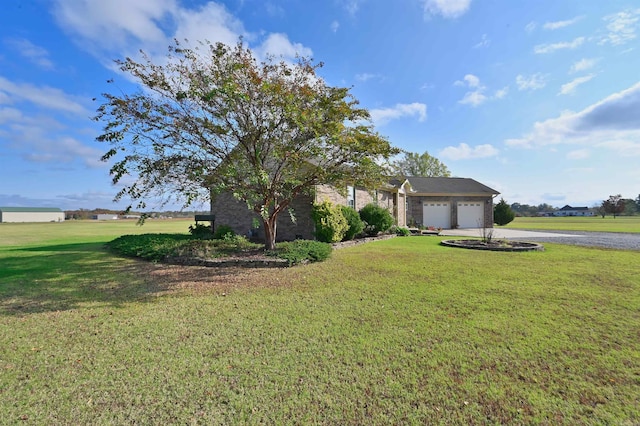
(85, 214)
(626, 207)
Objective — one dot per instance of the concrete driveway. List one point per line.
(612, 240)
(505, 233)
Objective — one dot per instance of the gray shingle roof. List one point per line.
(449, 186)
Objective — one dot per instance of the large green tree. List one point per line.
(614, 205)
(415, 164)
(213, 118)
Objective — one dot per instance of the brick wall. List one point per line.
(236, 214)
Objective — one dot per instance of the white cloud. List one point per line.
(501, 93)
(364, 77)
(381, 116)
(578, 154)
(113, 24)
(465, 152)
(274, 10)
(623, 146)
(475, 98)
(531, 82)
(446, 8)
(279, 45)
(334, 26)
(484, 42)
(612, 123)
(36, 54)
(352, 6)
(530, 27)
(210, 22)
(561, 24)
(42, 96)
(101, 27)
(549, 48)
(583, 65)
(570, 88)
(469, 80)
(621, 27)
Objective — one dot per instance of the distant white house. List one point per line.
(31, 214)
(573, 211)
(107, 216)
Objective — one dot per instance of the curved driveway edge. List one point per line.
(613, 240)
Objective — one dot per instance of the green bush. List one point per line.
(400, 231)
(222, 231)
(199, 231)
(154, 247)
(377, 219)
(502, 213)
(356, 226)
(329, 221)
(303, 250)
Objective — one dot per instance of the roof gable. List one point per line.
(448, 185)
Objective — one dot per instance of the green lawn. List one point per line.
(593, 224)
(402, 331)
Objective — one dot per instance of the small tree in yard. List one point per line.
(377, 219)
(502, 213)
(213, 119)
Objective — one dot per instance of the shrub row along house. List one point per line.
(438, 202)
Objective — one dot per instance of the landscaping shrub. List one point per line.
(303, 250)
(154, 247)
(502, 213)
(202, 232)
(329, 221)
(356, 226)
(400, 231)
(376, 218)
(222, 231)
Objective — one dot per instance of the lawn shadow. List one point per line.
(69, 276)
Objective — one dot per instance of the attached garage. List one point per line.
(444, 202)
(470, 214)
(30, 214)
(437, 214)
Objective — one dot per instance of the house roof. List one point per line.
(568, 207)
(30, 209)
(448, 186)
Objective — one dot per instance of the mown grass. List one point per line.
(402, 331)
(590, 224)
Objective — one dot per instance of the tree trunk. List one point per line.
(270, 232)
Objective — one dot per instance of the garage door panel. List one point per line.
(437, 214)
(470, 214)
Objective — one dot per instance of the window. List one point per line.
(351, 196)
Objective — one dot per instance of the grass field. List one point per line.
(402, 331)
(590, 224)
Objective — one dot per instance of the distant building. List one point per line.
(573, 211)
(107, 216)
(31, 214)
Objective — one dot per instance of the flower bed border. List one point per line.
(518, 246)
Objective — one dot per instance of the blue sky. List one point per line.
(539, 99)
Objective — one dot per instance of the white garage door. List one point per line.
(470, 215)
(437, 214)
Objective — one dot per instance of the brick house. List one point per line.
(438, 202)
